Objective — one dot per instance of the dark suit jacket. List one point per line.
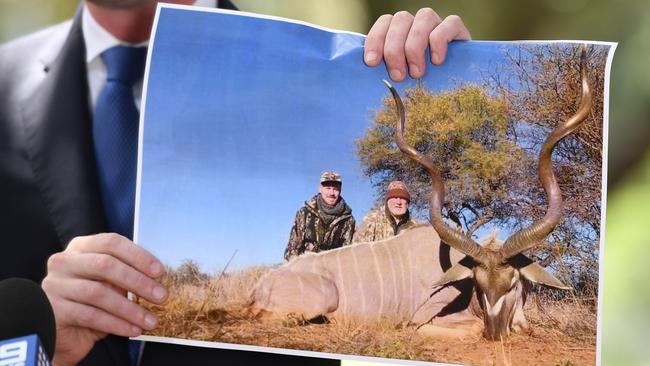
(48, 187)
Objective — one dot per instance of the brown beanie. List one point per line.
(397, 188)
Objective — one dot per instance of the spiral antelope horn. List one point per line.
(540, 229)
(452, 237)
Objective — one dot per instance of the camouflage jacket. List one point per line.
(379, 224)
(309, 228)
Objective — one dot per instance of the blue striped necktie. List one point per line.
(115, 135)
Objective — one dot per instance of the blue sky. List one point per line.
(241, 116)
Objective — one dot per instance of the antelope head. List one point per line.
(497, 270)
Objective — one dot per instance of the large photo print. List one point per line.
(303, 203)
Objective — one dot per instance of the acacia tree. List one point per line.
(466, 130)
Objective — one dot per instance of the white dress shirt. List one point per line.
(97, 40)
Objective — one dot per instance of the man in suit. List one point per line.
(55, 220)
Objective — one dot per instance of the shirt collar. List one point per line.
(98, 39)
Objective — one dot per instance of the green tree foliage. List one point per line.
(466, 132)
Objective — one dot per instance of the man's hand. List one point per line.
(402, 39)
(87, 285)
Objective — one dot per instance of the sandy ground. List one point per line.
(541, 346)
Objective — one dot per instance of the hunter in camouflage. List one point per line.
(390, 219)
(324, 222)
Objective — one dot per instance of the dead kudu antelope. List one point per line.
(414, 279)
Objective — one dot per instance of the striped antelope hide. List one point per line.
(414, 279)
(390, 279)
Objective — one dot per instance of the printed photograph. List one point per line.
(304, 203)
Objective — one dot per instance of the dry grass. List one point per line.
(563, 333)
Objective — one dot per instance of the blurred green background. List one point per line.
(626, 299)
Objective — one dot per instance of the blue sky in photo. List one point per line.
(242, 114)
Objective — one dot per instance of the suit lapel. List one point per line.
(59, 142)
(58, 126)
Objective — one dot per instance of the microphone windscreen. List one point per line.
(25, 310)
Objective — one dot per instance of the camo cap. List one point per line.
(330, 176)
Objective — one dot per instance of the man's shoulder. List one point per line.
(309, 207)
(24, 59)
(43, 44)
(374, 215)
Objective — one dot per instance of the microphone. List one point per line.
(25, 311)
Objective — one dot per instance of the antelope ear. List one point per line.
(536, 273)
(457, 272)
(533, 272)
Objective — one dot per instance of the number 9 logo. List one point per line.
(13, 353)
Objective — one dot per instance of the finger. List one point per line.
(394, 45)
(104, 297)
(452, 28)
(121, 248)
(374, 44)
(85, 316)
(104, 267)
(418, 40)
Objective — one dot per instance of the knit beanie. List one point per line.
(397, 188)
